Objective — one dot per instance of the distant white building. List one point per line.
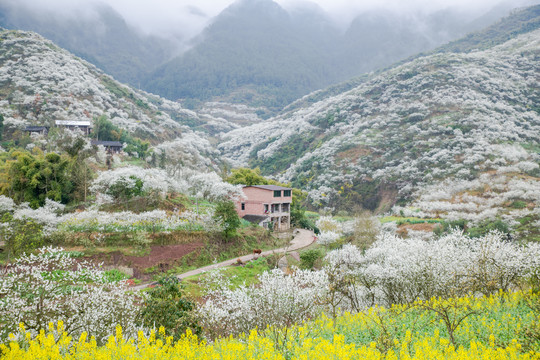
(85, 125)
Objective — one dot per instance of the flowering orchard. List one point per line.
(133, 180)
(122, 184)
(52, 220)
(392, 271)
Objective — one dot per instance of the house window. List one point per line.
(277, 193)
(286, 192)
(266, 208)
(243, 206)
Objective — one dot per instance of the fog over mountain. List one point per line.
(258, 53)
(262, 53)
(187, 18)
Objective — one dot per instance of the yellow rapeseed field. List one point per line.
(490, 330)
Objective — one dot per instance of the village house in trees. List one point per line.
(266, 205)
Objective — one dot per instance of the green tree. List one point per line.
(81, 174)
(1, 126)
(308, 258)
(33, 178)
(226, 212)
(248, 177)
(124, 189)
(105, 130)
(166, 306)
(20, 236)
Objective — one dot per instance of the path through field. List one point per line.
(302, 239)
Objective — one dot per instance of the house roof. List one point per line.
(107, 143)
(73, 123)
(36, 128)
(256, 219)
(270, 187)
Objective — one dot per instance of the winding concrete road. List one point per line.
(302, 239)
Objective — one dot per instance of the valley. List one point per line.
(411, 171)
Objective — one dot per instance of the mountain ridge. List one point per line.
(228, 63)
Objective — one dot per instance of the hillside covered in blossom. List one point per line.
(453, 134)
(41, 83)
(456, 133)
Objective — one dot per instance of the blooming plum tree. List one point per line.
(51, 286)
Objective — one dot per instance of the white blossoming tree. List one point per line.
(51, 286)
(392, 271)
(278, 300)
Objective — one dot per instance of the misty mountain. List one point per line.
(253, 52)
(99, 35)
(519, 21)
(257, 53)
(456, 134)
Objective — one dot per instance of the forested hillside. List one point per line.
(257, 53)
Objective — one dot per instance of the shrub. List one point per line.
(488, 226)
(226, 213)
(518, 204)
(21, 235)
(167, 307)
(309, 257)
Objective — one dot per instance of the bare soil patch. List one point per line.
(162, 257)
(427, 227)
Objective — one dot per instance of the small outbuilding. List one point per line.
(110, 146)
(42, 130)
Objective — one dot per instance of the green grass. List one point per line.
(202, 204)
(411, 220)
(131, 161)
(343, 218)
(115, 275)
(526, 230)
(238, 275)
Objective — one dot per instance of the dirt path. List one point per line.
(302, 239)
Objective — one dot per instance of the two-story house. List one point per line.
(266, 205)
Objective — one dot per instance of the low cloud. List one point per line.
(185, 19)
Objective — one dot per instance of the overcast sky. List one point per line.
(186, 18)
